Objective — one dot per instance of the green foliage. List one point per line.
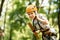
(18, 21)
(41, 10)
(17, 18)
(24, 38)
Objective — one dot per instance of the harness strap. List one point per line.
(34, 25)
(38, 25)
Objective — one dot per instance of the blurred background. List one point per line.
(13, 18)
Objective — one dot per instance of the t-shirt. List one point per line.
(42, 26)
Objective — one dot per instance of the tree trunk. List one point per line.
(2, 2)
(37, 4)
(59, 14)
(30, 2)
(11, 30)
(49, 9)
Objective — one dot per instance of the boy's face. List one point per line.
(31, 15)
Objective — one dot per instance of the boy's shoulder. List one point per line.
(41, 15)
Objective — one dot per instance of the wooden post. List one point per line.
(32, 28)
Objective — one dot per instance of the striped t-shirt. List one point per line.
(35, 22)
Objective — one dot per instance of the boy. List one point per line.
(40, 23)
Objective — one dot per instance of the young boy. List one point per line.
(40, 23)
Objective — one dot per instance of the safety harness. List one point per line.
(42, 30)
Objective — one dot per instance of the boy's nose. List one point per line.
(30, 15)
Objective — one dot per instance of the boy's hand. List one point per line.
(38, 31)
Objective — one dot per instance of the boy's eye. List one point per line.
(28, 14)
(31, 13)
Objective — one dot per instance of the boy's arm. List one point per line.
(42, 19)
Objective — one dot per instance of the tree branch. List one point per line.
(2, 2)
